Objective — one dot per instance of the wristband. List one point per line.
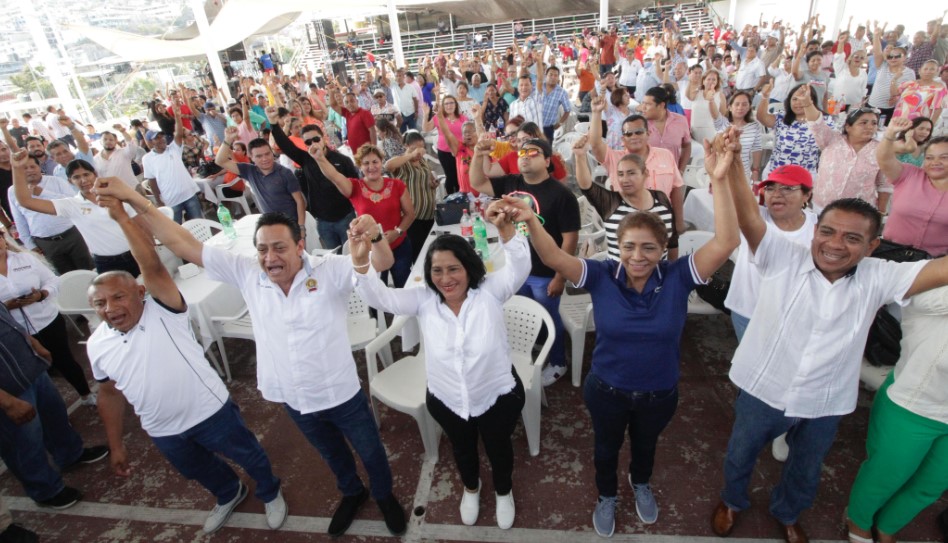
(379, 237)
(362, 267)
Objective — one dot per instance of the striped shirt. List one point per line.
(531, 108)
(417, 177)
(750, 141)
(882, 89)
(614, 208)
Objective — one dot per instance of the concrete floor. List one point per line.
(554, 492)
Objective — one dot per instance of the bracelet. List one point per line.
(362, 267)
(379, 237)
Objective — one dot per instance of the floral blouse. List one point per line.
(795, 144)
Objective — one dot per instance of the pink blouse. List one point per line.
(844, 173)
(919, 213)
(455, 127)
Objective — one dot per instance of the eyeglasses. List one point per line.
(637, 132)
(312, 140)
(530, 152)
(784, 190)
(893, 57)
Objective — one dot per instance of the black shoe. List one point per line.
(66, 498)
(18, 534)
(346, 512)
(91, 455)
(943, 524)
(394, 515)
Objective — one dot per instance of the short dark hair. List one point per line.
(859, 207)
(552, 68)
(935, 141)
(461, 250)
(54, 144)
(78, 164)
(311, 128)
(272, 218)
(812, 54)
(33, 138)
(634, 118)
(413, 136)
(658, 94)
(747, 116)
(645, 220)
(257, 142)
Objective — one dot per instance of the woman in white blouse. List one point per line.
(907, 465)
(28, 288)
(473, 388)
(851, 78)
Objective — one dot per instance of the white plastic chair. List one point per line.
(363, 328)
(202, 229)
(582, 128)
(242, 199)
(72, 299)
(237, 326)
(524, 318)
(592, 229)
(312, 236)
(577, 315)
(688, 243)
(402, 385)
(696, 177)
(167, 212)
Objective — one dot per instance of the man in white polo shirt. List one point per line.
(797, 366)
(298, 304)
(169, 179)
(145, 351)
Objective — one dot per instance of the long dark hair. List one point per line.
(789, 117)
(461, 250)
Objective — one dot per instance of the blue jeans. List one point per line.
(535, 288)
(401, 269)
(334, 234)
(197, 451)
(614, 411)
(24, 447)
(756, 424)
(191, 206)
(408, 123)
(329, 429)
(740, 323)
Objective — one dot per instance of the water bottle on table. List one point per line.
(480, 241)
(227, 222)
(467, 225)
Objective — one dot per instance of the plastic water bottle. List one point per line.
(480, 238)
(467, 225)
(223, 216)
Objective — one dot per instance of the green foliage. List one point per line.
(33, 80)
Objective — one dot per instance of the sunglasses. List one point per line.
(312, 140)
(782, 189)
(893, 57)
(637, 132)
(860, 110)
(530, 152)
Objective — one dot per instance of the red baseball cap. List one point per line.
(791, 175)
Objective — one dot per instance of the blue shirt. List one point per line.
(552, 100)
(638, 336)
(274, 191)
(60, 170)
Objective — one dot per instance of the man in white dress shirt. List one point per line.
(298, 305)
(797, 366)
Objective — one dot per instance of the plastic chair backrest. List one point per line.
(692, 240)
(72, 291)
(523, 318)
(202, 229)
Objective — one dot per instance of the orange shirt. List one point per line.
(586, 80)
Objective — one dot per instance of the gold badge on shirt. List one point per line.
(311, 285)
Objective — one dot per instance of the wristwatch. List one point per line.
(379, 237)
(398, 230)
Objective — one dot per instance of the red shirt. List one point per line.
(384, 205)
(463, 164)
(185, 110)
(607, 45)
(357, 127)
(510, 166)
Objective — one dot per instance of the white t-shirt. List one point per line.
(750, 73)
(103, 235)
(745, 282)
(119, 164)
(630, 71)
(168, 170)
(160, 368)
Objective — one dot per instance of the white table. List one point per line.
(410, 333)
(699, 209)
(207, 298)
(243, 244)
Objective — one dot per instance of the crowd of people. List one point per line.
(858, 156)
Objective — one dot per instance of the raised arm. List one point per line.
(598, 144)
(764, 116)
(7, 137)
(568, 266)
(225, 158)
(283, 142)
(24, 196)
(343, 184)
(584, 177)
(724, 164)
(168, 232)
(398, 161)
(885, 152)
(752, 225)
(81, 143)
(877, 53)
(479, 180)
(178, 124)
(449, 137)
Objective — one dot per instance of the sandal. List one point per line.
(853, 538)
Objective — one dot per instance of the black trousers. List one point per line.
(56, 341)
(450, 167)
(66, 251)
(495, 428)
(418, 234)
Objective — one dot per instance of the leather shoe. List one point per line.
(794, 533)
(723, 520)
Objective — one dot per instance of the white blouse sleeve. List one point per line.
(398, 301)
(505, 282)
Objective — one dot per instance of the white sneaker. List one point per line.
(505, 511)
(276, 511)
(89, 400)
(471, 505)
(552, 374)
(221, 513)
(780, 449)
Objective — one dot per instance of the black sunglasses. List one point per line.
(893, 57)
(636, 132)
(312, 140)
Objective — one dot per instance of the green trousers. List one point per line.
(906, 469)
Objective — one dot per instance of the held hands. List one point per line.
(719, 154)
(114, 188)
(362, 230)
(484, 143)
(516, 209)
